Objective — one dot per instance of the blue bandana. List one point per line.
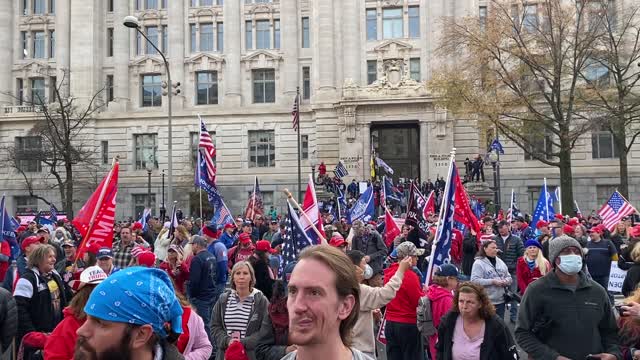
(140, 296)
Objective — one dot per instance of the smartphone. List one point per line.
(235, 335)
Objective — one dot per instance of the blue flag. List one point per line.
(144, 219)
(41, 220)
(390, 191)
(8, 226)
(444, 232)
(544, 208)
(363, 209)
(221, 215)
(342, 203)
(296, 238)
(497, 146)
(54, 213)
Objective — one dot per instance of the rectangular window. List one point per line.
(109, 42)
(38, 44)
(192, 30)
(263, 34)
(25, 7)
(540, 145)
(104, 146)
(530, 20)
(262, 148)
(110, 5)
(206, 37)
(220, 37)
(163, 4)
(195, 139)
(52, 6)
(194, 3)
(414, 21)
(392, 23)
(276, 34)
(53, 94)
(136, 4)
(596, 73)
(264, 86)
(28, 152)
(372, 24)
(151, 90)
(206, 2)
(248, 35)
(38, 91)
(109, 88)
(482, 15)
(141, 202)
(146, 149)
(38, 6)
(305, 32)
(26, 204)
(20, 91)
(306, 82)
(152, 34)
(25, 44)
(150, 4)
(372, 71)
(304, 147)
(52, 44)
(165, 40)
(414, 69)
(139, 44)
(207, 88)
(603, 145)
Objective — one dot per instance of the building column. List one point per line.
(175, 52)
(366, 152)
(232, 48)
(291, 42)
(121, 53)
(6, 49)
(85, 54)
(352, 35)
(323, 50)
(424, 154)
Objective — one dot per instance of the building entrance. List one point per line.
(399, 146)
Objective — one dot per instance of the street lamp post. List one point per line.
(149, 188)
(163, 209)
(495, 164)
(133, 23)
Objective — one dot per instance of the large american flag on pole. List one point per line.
(207, 151)
(614, 210)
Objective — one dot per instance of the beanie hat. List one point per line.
(236, 351)
(532, 242)
(556, 245)
(210, 231)
(568, 229)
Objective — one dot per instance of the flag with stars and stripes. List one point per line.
(340, 170)
(295, 240)
(296, 113)
(614, 210)
(221, 216)
(54, 213)
(144, 219)
(207, 153)
(444, 231)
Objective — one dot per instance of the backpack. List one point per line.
(424, 317)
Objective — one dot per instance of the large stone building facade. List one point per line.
(361, 68)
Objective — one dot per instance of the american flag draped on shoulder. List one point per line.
(296, 238)
(614, 210)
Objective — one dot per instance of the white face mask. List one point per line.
(570, 264)
(368, 272)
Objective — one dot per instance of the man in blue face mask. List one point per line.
(565, 314)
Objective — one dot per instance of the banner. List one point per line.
(616, 278)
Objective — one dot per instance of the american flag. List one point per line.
(615, 209)
(207, 151)
(54, 213)
(340, 170)
(222, 215)
(296, 113)
(295, 240)
(255, 205)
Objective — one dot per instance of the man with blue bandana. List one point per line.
(134, 314)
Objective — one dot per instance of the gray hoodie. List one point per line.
(483, 273)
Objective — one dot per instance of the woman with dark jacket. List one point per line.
(264, 274)
(469, 251)
(632, 279)
(471, 330)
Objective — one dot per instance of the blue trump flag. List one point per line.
(54, 213)
(544, 208)
(8, 226)
(144, 219)
(497, 146)
(221, 215)
(390, 191)
(441, 253)
(363, 209)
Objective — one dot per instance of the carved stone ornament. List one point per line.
(147, 64)
(394, 74)
(205, 62)
(349, 122)
(440, 126)
(261, 8)
(261, 59)
(37, 19)
(388, 3)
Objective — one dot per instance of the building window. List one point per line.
(306, 82)
(414, 21)
(263, 34)
(530, 20)
(139, 44)
(305, 32)
(195, 139)
(165, 40)
(151, 90)
(52, 44)
(109, 88)
(104, 146)
(414, 69)
(276, 34)
(25, 44)
(150, 4)
(193, 31)
(146, 149)
(540, 145)
(392, 23)
(163, 4)
(248, 35)
(264, 86)
(372, 24)
(207, 88)
(110, 5)
(603, 193)
(38, 7)
(52, 6)
(482, 15)
(372, 71)
(220, 37)
(596, 73)
(534, 194)
(53, 95)
(38, 44)
(304, 147)
(140, 202)
(26, 204)
(38, 95)
(20, 91)
(603, 145)
(109, 42)
(25, 7)
(262, 148)
(28, 149)
(152, 34)
(206, 37)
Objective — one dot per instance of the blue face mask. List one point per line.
(570, 264)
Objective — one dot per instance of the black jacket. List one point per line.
(497, 344)
(632, 280)
(264, 282)
(8, 319)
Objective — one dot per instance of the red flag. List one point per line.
(312, 212)
(463, 213)
(430, 206)
(96, 218)
(391, 229)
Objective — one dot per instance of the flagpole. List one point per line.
(510, 217)
(546, 199)
(560, 200)
(440, 220)
(313, 226)
(297, 101)
(200, 187)
(4, 210)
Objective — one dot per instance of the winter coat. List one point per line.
(526, 276)
(469, 251)
(632, 280)
(497, 343)
(375, 248)
(8, 319)
(179, 276)
(60, 344)
(264, 282)
(512, 249)
(402, 308)
(258, 326)
(441, 302)
(161, 246)
(198, 346)
(483, 273)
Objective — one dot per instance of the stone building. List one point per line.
(361, 67)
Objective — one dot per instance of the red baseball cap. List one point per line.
(136, 226)
(229, 226)
(541, 224)
(568, 229)
(264, 245)
(598, 229)
(146, 258)
(244, 238)
(337, 241)
(30, 241)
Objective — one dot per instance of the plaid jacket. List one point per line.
(122, 255)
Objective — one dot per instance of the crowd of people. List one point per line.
(200, 291)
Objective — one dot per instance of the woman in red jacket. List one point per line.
(176, 268)
(440, 293)
(532, 265)
(60, 344)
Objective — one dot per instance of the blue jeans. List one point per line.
(500, 309)
(514, 304)
(204, 308)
